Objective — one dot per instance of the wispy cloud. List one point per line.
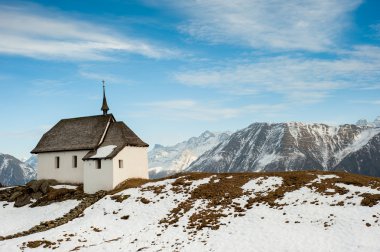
(109, 78)
(33, 31)
(370, 102)
(26, 134)
(45, 87)
(297, 78)
(205, 111)
(275, 24)
(376, 28)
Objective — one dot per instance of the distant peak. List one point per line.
(207, 134)
(156, 146)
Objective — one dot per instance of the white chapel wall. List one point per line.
(135, 164)
(66, 173)
(97, 179)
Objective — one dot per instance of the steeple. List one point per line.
(104, 106)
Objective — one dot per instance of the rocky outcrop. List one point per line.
(24, 195)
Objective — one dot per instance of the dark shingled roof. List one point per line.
(120, 135)
(85, 133)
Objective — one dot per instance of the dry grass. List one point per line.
(220, 192)
(129, 183)
(120, 198)
(38, 243)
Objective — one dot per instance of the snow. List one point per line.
(298, 226)
(104, 151)
(323, 177)
(64, 186)
(4, 164)
(263, 184)
(267, 159)
(3, 188)
(14, 220)
(354, 189)
(176, 158)
(360, 140)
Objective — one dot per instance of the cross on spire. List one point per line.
(104, 106)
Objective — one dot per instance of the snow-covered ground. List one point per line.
(14, 220)
(303, 220)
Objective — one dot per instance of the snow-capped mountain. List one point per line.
(32, 161)
(377, 122)
(366, 123)
(166, 160)
(295, 146)
(14, 171)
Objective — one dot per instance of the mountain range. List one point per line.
(164, 161)
(15, 172)
(364, 122)
(295, 146)
(259, 147)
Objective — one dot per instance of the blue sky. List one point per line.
(176, 68)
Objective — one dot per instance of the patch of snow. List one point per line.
(3, 188)
(4, 164)
(64, 186)
(262, 184)
(361, 189)
(322, 177)
(104, 151)
(267, 159)
(199, 182)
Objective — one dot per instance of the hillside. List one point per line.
(279, 211)
(295, 146)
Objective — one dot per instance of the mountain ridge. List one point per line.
(168, 160)
(15, 172)
(290, 146)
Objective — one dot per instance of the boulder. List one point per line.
(22, 200)
(15, 195)
(45, 186)
(36, 195)
(35, 185)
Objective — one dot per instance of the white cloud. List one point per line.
(275, 24)
(205, 111)
(370, 102)
(32, 31)
(376, 28)
(108, 78)
(297, 78)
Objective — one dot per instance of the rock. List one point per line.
(36, 195)
(35, 185)
(45, 187)
(22, 200)
(15, 195)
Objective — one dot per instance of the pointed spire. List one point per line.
(104, 106)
